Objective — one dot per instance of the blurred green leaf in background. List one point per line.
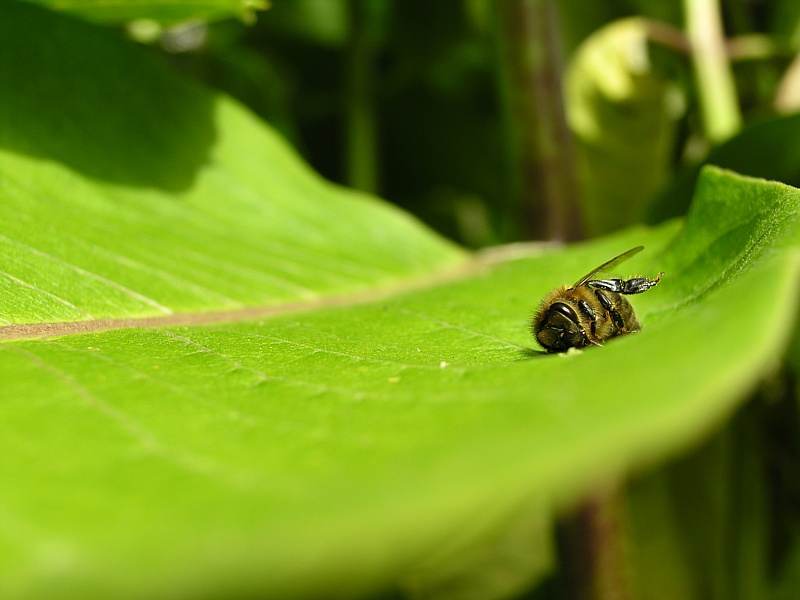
(224, 375)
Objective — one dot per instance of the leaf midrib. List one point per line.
(470, 266)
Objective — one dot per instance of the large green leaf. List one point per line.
(321, 398)
(334, 448)
(200, 208)
(164, 11)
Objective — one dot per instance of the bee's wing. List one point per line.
(608, 264)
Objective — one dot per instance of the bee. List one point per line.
(591, 311)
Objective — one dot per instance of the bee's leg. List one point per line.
(587, 310)
(637, 285)
(640, 284)
(616, 318)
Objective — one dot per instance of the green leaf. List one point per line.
(624, 114)
(142, 195)
(331, 449)
(319, 397)
(165, 12)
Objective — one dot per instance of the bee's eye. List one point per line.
(563, 309)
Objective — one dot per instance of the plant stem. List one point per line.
(716, 90)
(542, 150)
(591, 548)
(361, 168)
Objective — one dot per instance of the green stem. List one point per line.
(361, 168)
(716, 91)
(592, 549)
(542, 149)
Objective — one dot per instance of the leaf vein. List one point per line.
(45, 292)
(95, 276)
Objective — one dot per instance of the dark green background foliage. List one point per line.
(222, 375)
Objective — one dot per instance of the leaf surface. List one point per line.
(201, 208)
(316, 449)
(348, 442)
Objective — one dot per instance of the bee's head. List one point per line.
(557, 328)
